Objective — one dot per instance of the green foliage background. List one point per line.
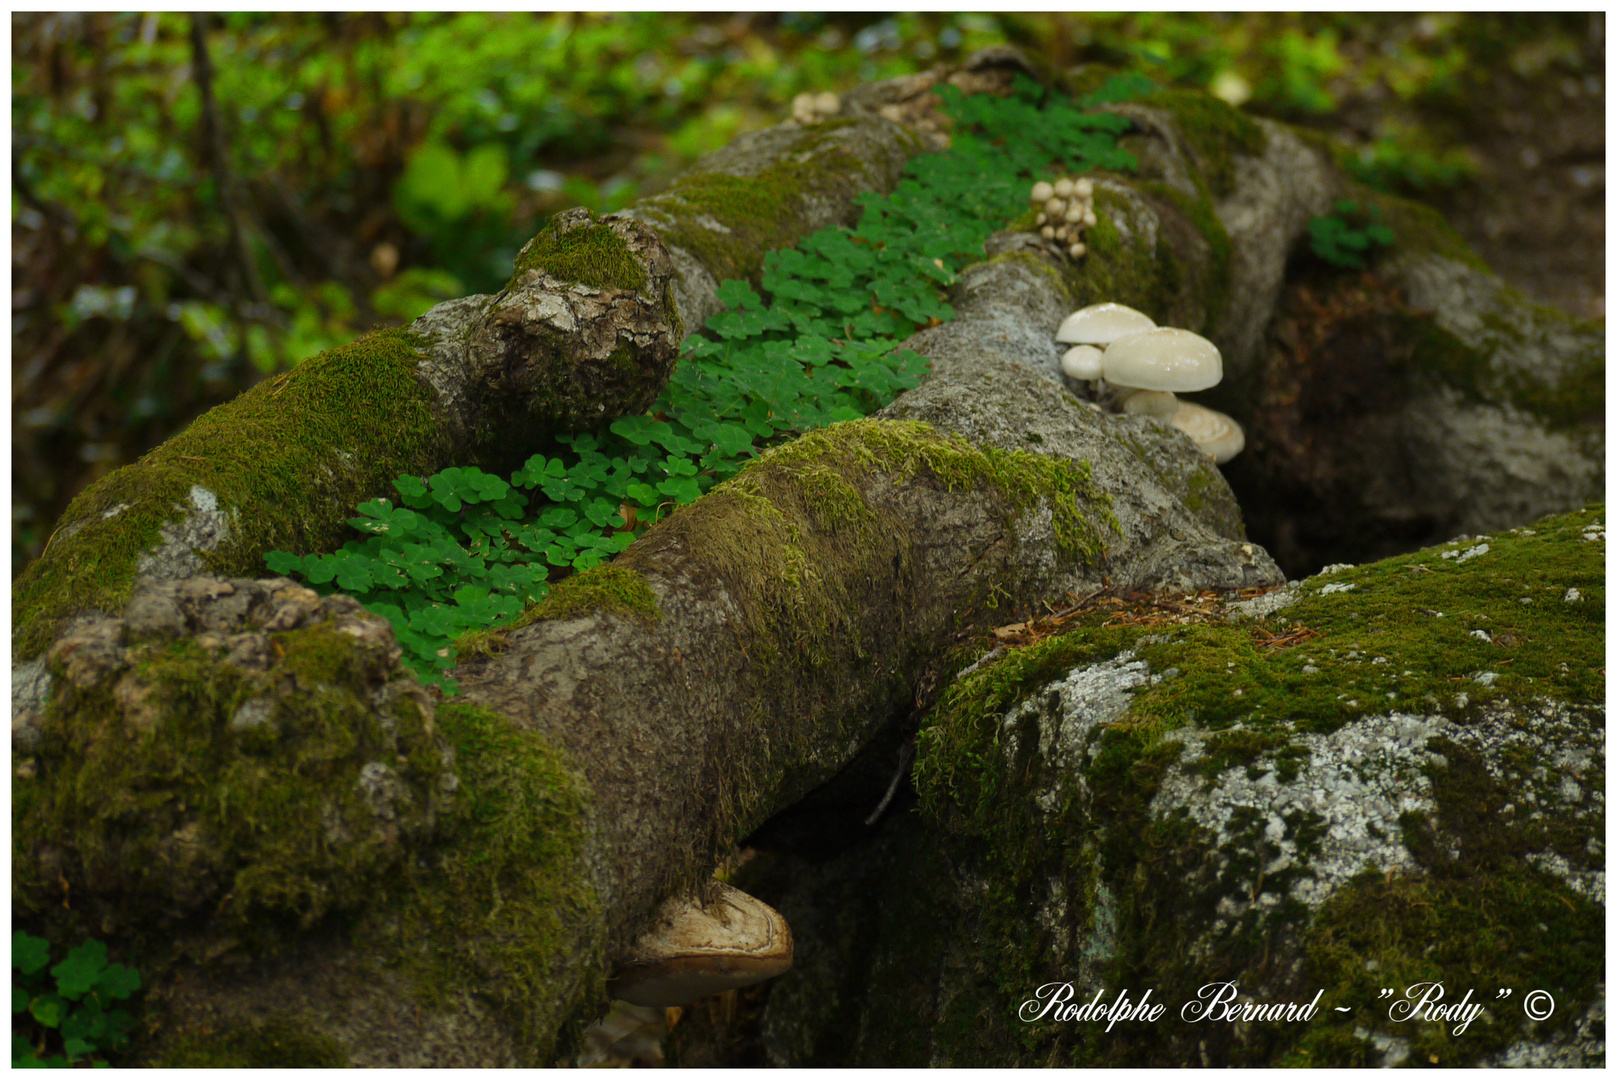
(371, 164)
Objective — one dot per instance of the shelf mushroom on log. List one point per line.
(694, 951)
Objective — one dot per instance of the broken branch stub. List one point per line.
(585, 332)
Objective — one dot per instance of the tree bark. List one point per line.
(240, 781)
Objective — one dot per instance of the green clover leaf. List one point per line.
(29, 954)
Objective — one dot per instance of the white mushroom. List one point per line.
(1102, 324)
(1043, 191)
(692, 952)
(1082, 361)
(1218, 435)
(1076, 250)
(810, 108)
(1063, 187)
(1083, 188)
(1166, 359)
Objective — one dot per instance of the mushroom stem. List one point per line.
(1160, 403)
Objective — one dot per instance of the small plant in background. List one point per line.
(1410, 163)
(1346, 237)
(65, 1016)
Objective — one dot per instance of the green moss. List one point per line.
(1570, 398)
(728, 222)
(1202, 215)
(960, 740)
(1504, 925)
(285, 460)
(748, 207)
(593, 255)
(1195, 483)
(811, 488)
(1242, 746)
(265, 826)
(1418, 227)
(278, 1044)
(500, 908)
(1429, 661)
(1168, 280)
(1114, 269)
(611, 587)
(1214, 131)
(470, 888)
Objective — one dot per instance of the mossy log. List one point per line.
(587, 329)
(239, 782)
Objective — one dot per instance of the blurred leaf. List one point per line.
(29, 954)
(415, 291)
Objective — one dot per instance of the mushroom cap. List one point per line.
(1166, 358)
(1102, 324)
(1218, 435)
(692, 952)
(1043, 191)
(1082, 361)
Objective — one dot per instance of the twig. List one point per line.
(906, 754)
(213, 156)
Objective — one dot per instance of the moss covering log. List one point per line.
(281, 467)
(588, 329)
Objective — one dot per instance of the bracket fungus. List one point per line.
(694, 951)
(1065, 209)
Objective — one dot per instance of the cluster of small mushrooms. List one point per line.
(1066, 208)
(809, 108)
(1144, 365)
(690, 952)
